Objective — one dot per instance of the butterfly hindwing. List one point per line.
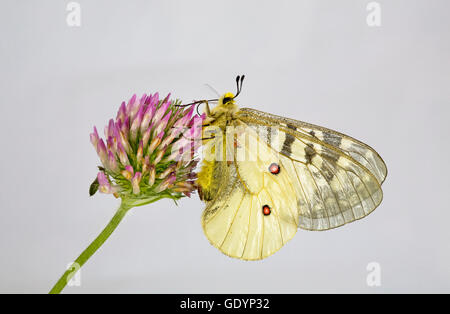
(235, 222)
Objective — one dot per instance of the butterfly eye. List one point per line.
(266, 210)
(226, 99)
(274, 168)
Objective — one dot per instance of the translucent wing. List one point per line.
(234, 221)
(336, 178)
(359, 151)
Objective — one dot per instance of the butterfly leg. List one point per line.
(208, 110)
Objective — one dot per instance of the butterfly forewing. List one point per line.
(332, 187)
(359, 151)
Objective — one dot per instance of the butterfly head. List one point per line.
(226, 100)
(226, 105)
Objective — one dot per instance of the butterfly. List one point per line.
(264, 176)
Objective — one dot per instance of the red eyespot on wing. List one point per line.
(266, 210)
(274, 168)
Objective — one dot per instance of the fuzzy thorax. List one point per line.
(220, 116)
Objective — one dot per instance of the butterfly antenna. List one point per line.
(239, 82)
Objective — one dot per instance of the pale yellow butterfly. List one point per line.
(271, 175)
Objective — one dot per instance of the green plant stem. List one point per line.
(91, 249)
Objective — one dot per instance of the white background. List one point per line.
(316, 61)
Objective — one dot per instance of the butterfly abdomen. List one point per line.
(211, 175)
(206, 186)
(210, 179)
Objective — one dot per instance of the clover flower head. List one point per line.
(149, 150)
